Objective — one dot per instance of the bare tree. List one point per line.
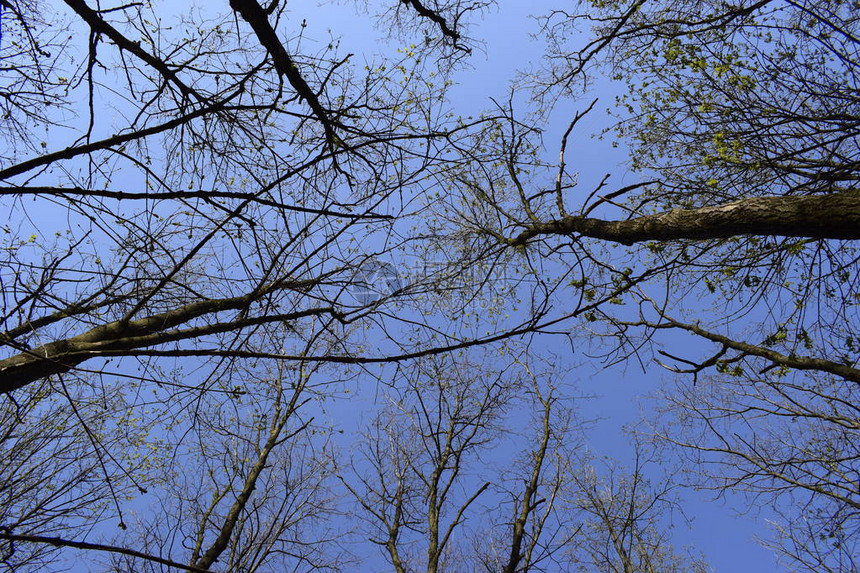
(251, 491)
(69, 463)
(528, 530)
(625, 522)
(452, 478)
(187, 196)
(415, 479)
(786, 441)
(741, 121)
(252, 175)
(195, 198)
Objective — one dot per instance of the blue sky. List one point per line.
(620, 392)
(725, 538)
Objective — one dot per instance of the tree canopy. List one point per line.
(222, 228)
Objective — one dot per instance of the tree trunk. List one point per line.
(835, 216)
(115, 337)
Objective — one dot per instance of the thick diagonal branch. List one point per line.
(116, 337)
(434, 17)
(256, 16)
(529, 504)
(232, 518)
(100, 26)
(834, 216)
(59, 542)
(792, 361)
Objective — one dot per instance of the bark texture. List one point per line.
(834, 216)
(256, 16)
(63, 355)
